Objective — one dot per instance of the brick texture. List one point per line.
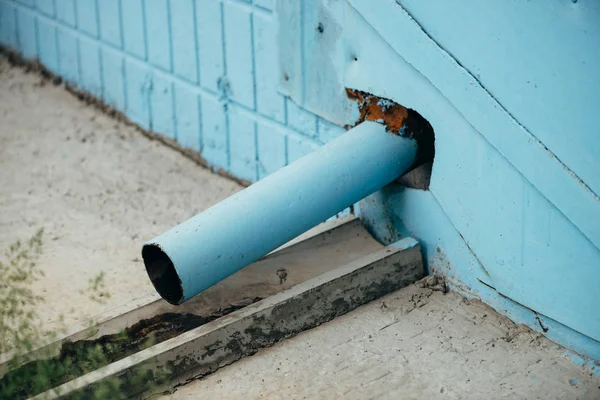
(203, 72)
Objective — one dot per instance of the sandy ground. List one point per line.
(413, 344)
(97, 187)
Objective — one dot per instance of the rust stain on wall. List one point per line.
(373, 108)
(399, 120)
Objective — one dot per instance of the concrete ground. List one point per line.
(97, 187)
(416, 343)
(100, 189)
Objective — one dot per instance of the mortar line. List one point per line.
(225, 94)
(253, 52)
(200, 124)
(145, 29)
(124, 85)
(36, 33)
(300, 76)
(121, 40)
(100, 54)
(98, 37)
(256, 171)
(75, 19)
(79, 72)
(35, 36)
(170, 33)
(16, 23)
(196, 45)
(150, 85)
(173, 111)
(58, 63)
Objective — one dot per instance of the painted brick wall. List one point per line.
(202, 72)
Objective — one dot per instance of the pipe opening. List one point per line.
(162, 274)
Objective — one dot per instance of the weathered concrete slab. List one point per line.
(326, 247)
(414, 344)
(203, 350)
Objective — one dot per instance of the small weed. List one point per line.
(18, 302)
(20, 334)
(97, 291)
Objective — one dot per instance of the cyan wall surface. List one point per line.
(512, 215)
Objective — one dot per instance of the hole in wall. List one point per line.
(401, 121)
(419, 175)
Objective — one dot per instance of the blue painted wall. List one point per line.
(512, 215)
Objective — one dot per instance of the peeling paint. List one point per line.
(373, 108)
(400, 121)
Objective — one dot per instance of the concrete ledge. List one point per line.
(203, 350)
(335, 242)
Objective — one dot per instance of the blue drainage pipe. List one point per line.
(214, 244)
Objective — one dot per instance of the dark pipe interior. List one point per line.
(421, 130)
(162, 273)
(419, 174)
